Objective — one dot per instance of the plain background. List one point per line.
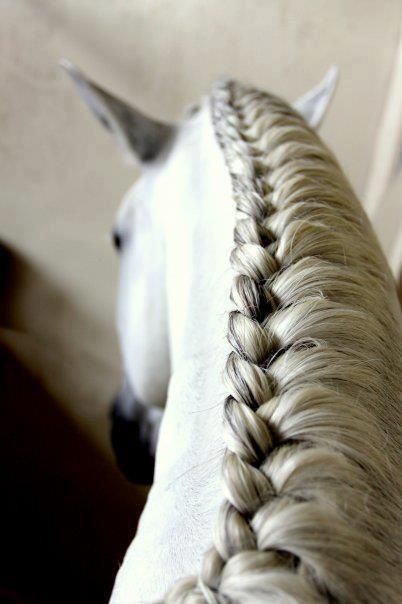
(62, 179)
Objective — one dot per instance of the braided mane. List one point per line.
(311, 509)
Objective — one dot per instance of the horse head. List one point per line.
(172, 161)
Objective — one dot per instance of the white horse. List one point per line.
(323, 267)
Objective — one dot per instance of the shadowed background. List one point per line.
(69, 514)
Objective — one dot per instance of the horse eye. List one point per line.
(117, 240)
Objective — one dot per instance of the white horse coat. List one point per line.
(176, 226)
(176, 523)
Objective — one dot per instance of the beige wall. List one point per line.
(61, 178)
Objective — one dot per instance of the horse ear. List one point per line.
(137, 135)
(314, 104)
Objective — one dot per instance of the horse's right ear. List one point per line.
(314, 104)
(137, 135)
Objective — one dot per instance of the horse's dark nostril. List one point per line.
(116, 240)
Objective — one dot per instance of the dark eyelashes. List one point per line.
(117, 240)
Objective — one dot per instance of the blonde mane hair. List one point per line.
(311, 509)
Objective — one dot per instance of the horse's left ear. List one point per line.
(137, 135)
(314, 104)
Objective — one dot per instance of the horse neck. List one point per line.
(187, 491)
(198, 286)
(199, 240)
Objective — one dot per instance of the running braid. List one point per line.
(312, 489)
